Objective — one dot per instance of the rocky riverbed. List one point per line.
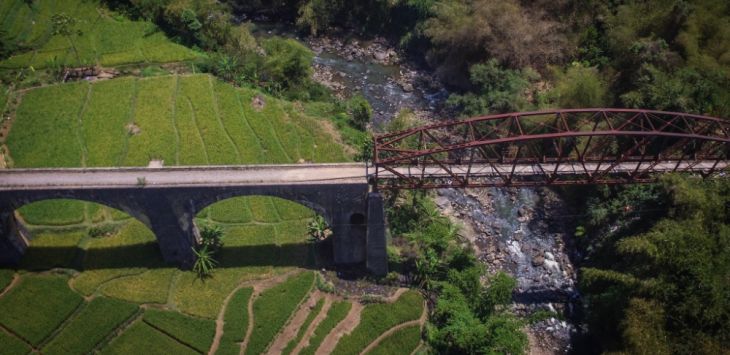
(523, 232)
(376, 71)
(519, 231)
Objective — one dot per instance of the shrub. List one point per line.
(318, 229)
(205, 262)
(287, 62)
(211, 236)
(578, 87)
(324, 285)
(360, 111)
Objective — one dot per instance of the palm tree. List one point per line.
(204, 262)
(318, 228)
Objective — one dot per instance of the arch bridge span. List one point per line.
(167, 200)
(557, 147)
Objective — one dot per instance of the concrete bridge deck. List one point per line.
(183, 176)
(294, 174)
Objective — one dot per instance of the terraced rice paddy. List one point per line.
(107, 279)
(105, 38)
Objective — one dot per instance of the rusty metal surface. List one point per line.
(558, 147)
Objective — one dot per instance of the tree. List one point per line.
(212, 237)
(211, 241)
(468, 32)
(205, 263)
(669, 291)
(65, 25)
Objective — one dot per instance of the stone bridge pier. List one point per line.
(355, 215)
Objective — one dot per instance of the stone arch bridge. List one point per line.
(167, 200)
(559, 147)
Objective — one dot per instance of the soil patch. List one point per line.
(133, 129)
(258, 103)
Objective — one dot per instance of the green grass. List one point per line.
(232, 210)
(133, 245)
(35, 307)
(274, 307)
(205, 298)
(94, 322)
(106, 39)
(6, 277)
(263, 210)
(105, 119)
(196, 91)
(192, 150)
(53, 212)
(231, 112)
(153, 115)
(192, 119)
(12, 345)
(141, 338)
(378, 318)
(52, 249)
(235, 322)
(45, 128)
(197, 333)
(310, 317)
(88, 281)
(337, 312)
(403, 341)
(152, 286)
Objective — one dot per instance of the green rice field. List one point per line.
(95, 271)
(105, 38)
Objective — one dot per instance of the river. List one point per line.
(524, 232)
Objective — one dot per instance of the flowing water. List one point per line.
(519, 231)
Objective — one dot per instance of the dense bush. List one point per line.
(360, 112)
(495, 89)
(468, 316)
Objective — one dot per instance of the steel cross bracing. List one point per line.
(559, 147)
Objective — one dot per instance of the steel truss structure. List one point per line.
(559, 147)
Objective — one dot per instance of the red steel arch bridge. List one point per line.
(556, 147)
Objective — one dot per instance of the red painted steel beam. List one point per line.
(441, 144)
